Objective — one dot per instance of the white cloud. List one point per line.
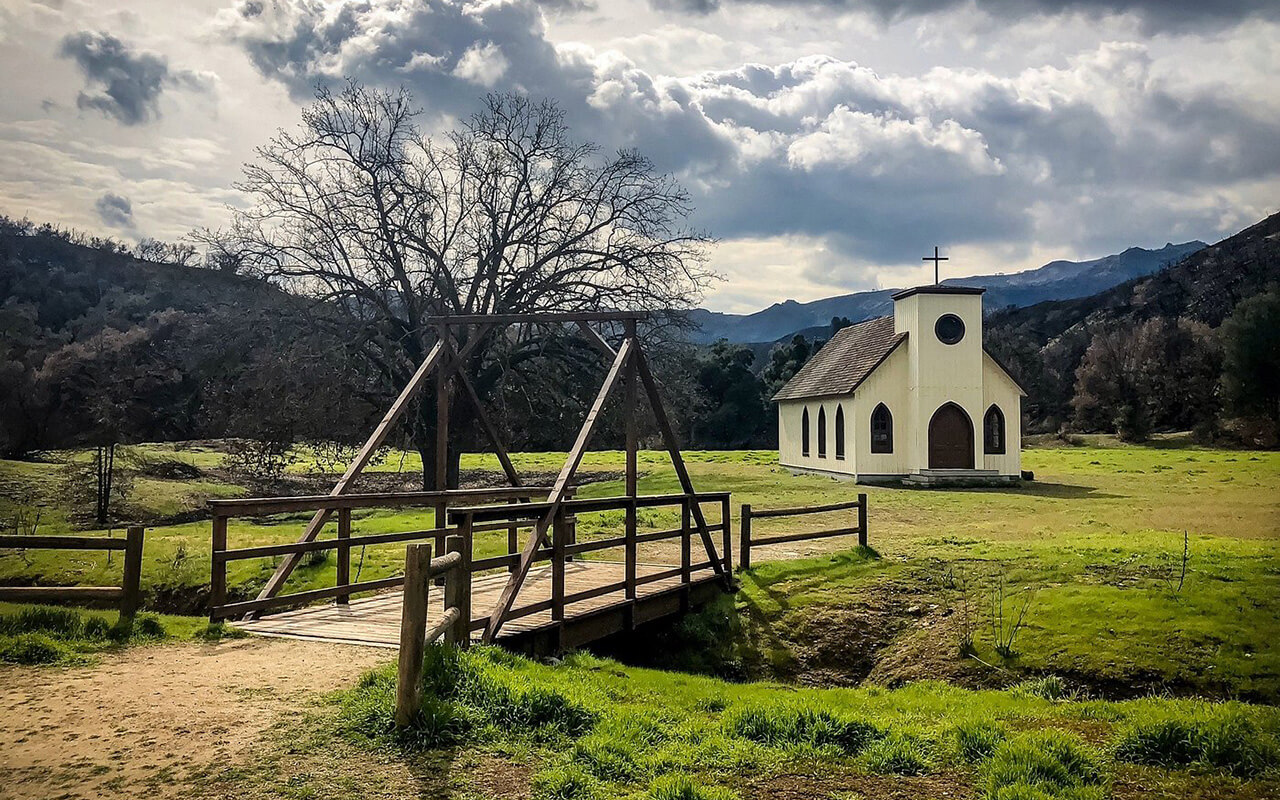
(483, 64)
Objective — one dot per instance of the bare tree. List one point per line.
(506, 214)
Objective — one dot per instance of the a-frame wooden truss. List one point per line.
(629, 368)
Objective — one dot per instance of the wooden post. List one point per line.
(629, 549)
(686, 541)
(570, 533)
(344, 553)
(132, 582)
(862, 520)
(726, 533)
(558, 535)
(413, 631)
(218, 572)
(513, 543)
(457, 590)
(744, 544)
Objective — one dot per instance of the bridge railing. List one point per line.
(128, 594)
(452, 625)
(563, 545)
(343, 542)
(749, 539)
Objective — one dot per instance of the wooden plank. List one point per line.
(800, 537)
(413, 626)
(218, 567)
(862, 520)
(457, 589)
(673, 448)
(799, 510)
(266, 550)
(31, 594)
(263, 603)
(533, 511)
(63, 543)
(557, 495)
(344, 552)
(131, 582)
(559, 532)
(726, 521)
(686, 556)
(255, 506)
(744, 545)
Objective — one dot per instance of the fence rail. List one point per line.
(128, 594)
(748, 539)
(343, 542)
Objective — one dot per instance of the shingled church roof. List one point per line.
(844, 362)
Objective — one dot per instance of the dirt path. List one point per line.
(139, 722)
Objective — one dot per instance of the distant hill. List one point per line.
(1057, 280)
(1043, 343)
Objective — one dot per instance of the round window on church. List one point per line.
(949, 329)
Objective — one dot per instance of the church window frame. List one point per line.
(949, 329)
(994, 440)
(804, 432)
(839, 432)
(881, 429)
(822, 431)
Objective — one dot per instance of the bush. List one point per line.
(96, 628)
(897, 755)
(1225, 740)
(682, 787)
(976, 741)
(791, 726)
(1049, 762)
(31, 648)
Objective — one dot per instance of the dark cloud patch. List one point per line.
(1156, 15)
(124, 83)
(818, 147)
(114, 211)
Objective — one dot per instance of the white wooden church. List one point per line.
(911, 396)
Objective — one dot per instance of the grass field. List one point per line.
(869, 674)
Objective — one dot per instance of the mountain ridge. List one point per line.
(1060, 279)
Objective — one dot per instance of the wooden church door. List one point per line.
(950, 439)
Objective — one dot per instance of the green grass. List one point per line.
(54, 635)
(594, 728)
(1097, 540)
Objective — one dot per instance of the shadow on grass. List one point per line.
(1057, 491)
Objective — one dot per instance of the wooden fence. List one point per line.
(341, 506)
(452, 626)
(563, 545)
(749, 540)
(128, 594)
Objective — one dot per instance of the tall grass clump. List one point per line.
(976, 741)
(677, 786)
(464, 694)
(794, 726)
(1223, 739)
(1044, 765)
(1049, 687)
(566, 782)
(32, 649)
(897, 754)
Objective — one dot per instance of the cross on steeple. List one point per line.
(935, 258)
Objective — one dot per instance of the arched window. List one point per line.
(993, 431)
(881, 430)
(840, 433)
(804, 433)
(822, 432)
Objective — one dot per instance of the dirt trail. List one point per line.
(140, 722)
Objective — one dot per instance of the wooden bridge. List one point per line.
(575, 592)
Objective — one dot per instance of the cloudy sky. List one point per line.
(829, 144)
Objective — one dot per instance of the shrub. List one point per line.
(790, 726)
(682, 787)
(976, 741)
(1051, 762)
(1226, 740)
(568, 782)
(897, 755)
(31, 648)
(148, 626)
(96, 628)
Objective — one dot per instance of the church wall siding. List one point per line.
(1003, 392)
(790, 445)
(888, 384)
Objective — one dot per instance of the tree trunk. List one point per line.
(104, 463)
